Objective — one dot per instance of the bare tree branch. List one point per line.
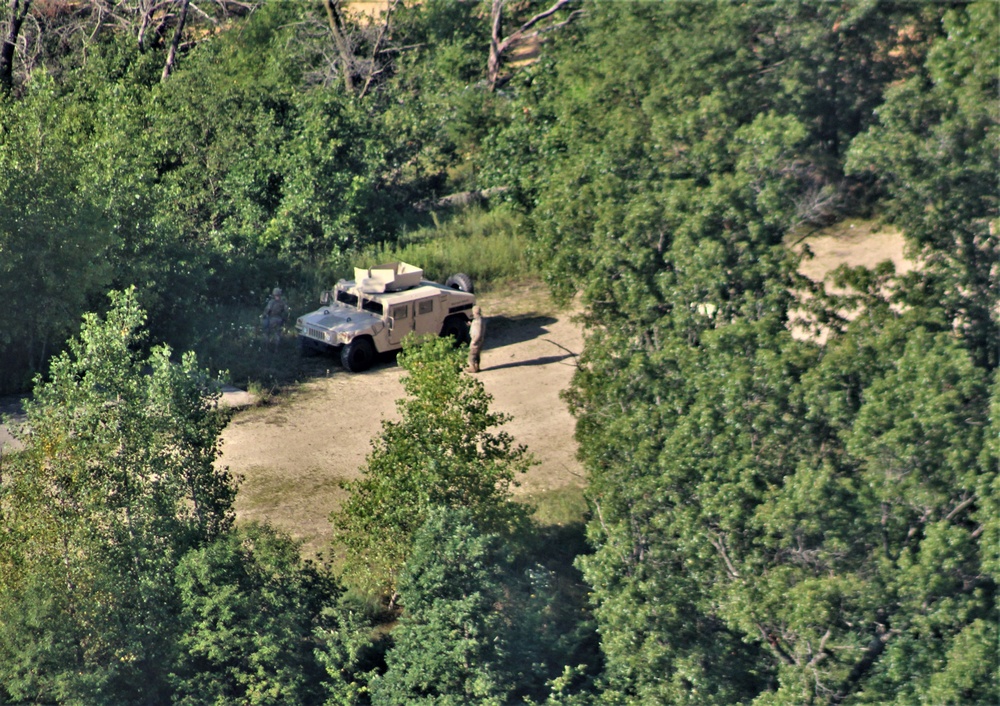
(519, 34)
(720, 547)
(376, 47)
(772, 639)
(960, 507)
(499, 46)
(871, 655)
(822, 653)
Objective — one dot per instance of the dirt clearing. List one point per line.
(293, 453)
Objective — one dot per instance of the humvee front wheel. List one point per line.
(358, 355)
(457, 327)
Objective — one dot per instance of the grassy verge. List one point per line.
(491, 247)
(561, 506)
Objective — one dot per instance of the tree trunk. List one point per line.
(146, 9)
(339, 38)
(172, 54)
(493, 65)
(18, 11)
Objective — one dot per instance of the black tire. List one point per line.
(460, 281)
(358, 355)
(457, 327)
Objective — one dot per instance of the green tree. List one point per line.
(442, 452)
(470, 631)
(54, 242)
(725, 478)
(936, 151)
(117, 481)
(249, 608)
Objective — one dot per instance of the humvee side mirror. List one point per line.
(324, 298)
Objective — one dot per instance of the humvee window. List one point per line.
(346, 298)
(372, 306)
(425, 307)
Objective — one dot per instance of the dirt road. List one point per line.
(293, 453)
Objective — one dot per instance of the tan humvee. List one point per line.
(381, 306)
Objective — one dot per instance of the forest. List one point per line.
(793, 494)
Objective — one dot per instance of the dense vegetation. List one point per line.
(773, 518)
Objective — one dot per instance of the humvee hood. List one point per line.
(341, 320)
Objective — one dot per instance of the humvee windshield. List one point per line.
(349, 299)
(346, 298)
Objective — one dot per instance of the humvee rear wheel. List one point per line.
(358, 355)
(459, 281)
(457, 327)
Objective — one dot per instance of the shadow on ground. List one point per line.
(12, 405)
(508, 330)
(544, 360)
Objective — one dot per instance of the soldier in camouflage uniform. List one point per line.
(274, 317)
(477, 334)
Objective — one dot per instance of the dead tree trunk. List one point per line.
(374, 70)
(493, 64)
(18, 11)
(336, 21)
(146, 8)
(175, 42)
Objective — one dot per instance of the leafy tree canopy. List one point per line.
(117, 481)
(442, 452)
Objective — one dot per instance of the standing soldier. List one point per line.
(477, 333)
(274, 316)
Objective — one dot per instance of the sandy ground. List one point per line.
(853, 243)
(293, 454)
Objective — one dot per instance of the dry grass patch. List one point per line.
(853, 242)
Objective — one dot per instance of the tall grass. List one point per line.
(559, 506)
(489, 246)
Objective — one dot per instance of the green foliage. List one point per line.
(744, 549)
(249, 608)
(473, 629)
(442, 452)
(936, 150)
(773, 520)
(116, 482)
(54, 244)
(122, 579)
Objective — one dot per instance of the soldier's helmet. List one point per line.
(477, 311)
(276, 292)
